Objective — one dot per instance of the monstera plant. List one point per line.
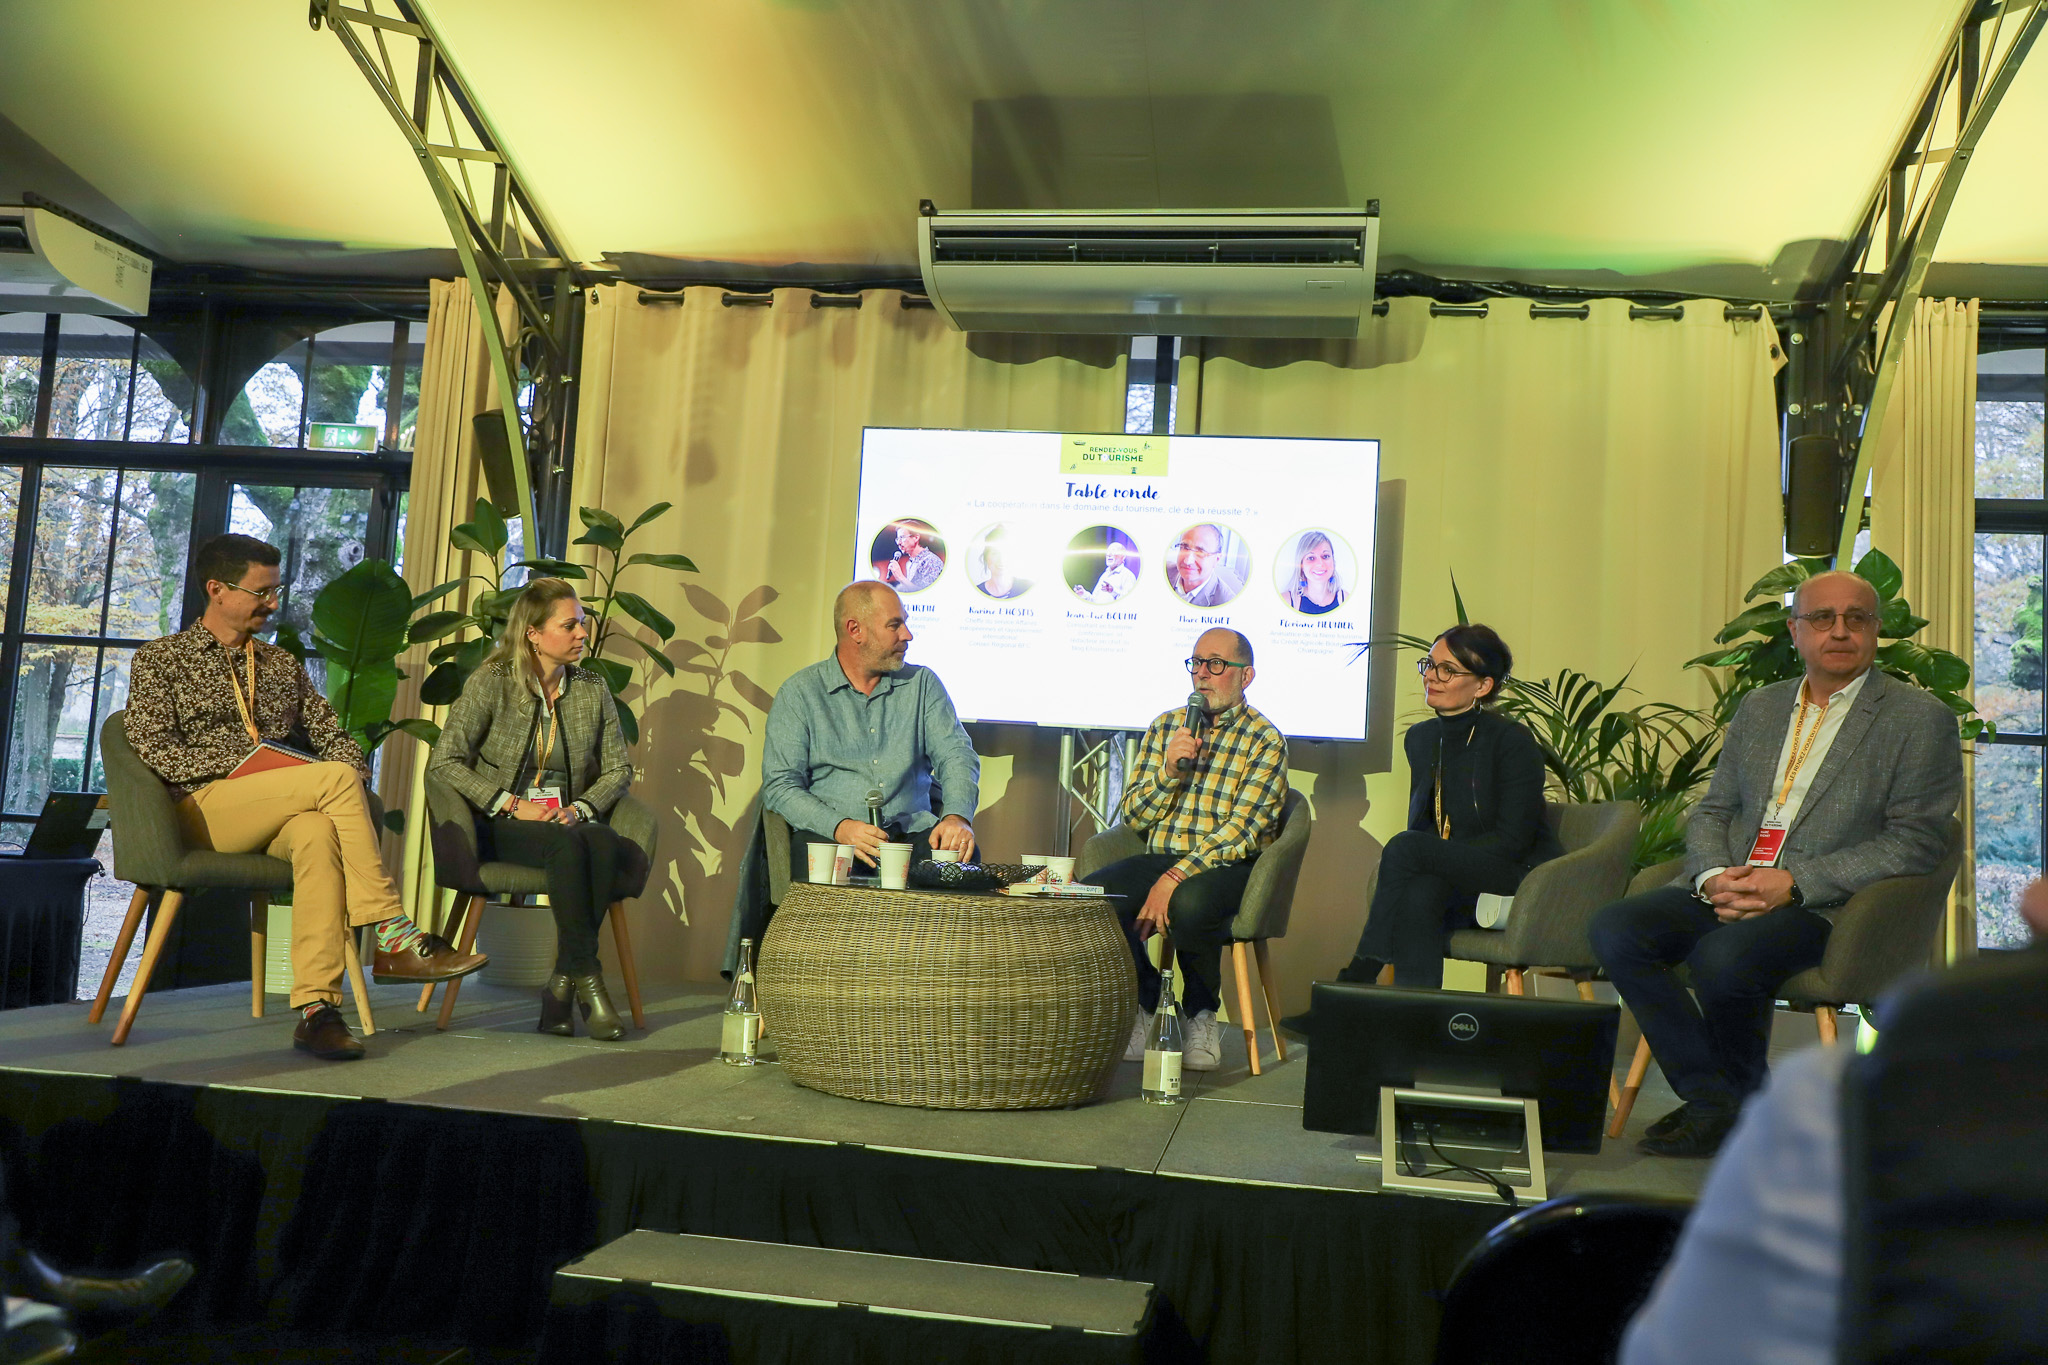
(1770, 657)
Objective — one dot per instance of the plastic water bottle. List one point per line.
(1161, 1084)
(742, 1033)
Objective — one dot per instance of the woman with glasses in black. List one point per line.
(1475, 814)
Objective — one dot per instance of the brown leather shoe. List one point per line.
(326, 1035)
(433, 958)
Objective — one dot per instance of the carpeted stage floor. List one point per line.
(430, 1189)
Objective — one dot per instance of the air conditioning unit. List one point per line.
(1259, 273)
(51, 263)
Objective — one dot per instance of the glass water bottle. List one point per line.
(1163, 1048)
(742, 1033)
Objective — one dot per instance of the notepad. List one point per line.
(269, 756)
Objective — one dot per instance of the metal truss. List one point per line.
(1094, 777)
(506, 242)
(1845, 367)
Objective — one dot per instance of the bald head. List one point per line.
(862, 601)
(872, 629)
(1832, 584)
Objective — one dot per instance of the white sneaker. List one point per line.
(1141, 1034)
(1204, 1043)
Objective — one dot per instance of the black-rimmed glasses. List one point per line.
(1442, 672)
(1213, 667)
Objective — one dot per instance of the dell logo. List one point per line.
(1463, 1028)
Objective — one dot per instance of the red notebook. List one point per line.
(268, 756)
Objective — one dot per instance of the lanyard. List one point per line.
(1443, 822)
(546, 745)
(1800, 752)
(246, 706)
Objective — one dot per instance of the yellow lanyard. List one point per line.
(546, 745)
(1443, 822)
(1800, 751)
(246, 706)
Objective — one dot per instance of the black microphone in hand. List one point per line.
(1192, 723)
(875, 807)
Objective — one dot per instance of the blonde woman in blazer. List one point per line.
(534, 745)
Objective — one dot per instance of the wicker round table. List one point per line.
(946, 1000)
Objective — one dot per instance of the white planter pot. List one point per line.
(520, 940)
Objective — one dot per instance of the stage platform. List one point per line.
(432, 1187)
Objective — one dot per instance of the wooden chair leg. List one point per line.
(352, 962)
(1824, 1015)
(455, 931)
(137, 903)
(1637, 1069)
(1240, 962)
(1586, 992)
(1516, 985)
(449, 990)
(1272, 994)
(166, 916)
(259, 958)
(623, 941)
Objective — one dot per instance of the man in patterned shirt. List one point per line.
(1203, 828)
(198, 702)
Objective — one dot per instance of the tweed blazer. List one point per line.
(488, 739)
(1878, 807)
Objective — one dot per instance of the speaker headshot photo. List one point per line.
(1101, 564)
(1314, 572)
(992, 560)
(1207, 565)
(908, 555)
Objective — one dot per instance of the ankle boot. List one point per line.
(598, 1015)
(556, 1016)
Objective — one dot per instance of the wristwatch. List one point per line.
(1796, 896)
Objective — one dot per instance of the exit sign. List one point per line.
(356, 436)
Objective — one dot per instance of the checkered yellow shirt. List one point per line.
(1224, 811)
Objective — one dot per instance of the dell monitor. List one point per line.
(1559, 1053)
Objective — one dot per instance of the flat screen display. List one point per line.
(1061, 579)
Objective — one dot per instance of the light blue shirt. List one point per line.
(827, 746)
(1757, 1273)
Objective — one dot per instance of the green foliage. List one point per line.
(1770, 657)
(2026, 672)
(359, 627)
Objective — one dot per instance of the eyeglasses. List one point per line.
(1213, 667)
(1856, 619)
(1442, 672)
(1186, 548)
(271, 595)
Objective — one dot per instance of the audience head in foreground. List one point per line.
(1826, 783)
(199, 704)
(865, 748)
(535, 749)
(1207, 802)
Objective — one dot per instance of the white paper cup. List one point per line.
(945, 855)
(894, 865)
(821, 856)
(1035, 859)
(842, 865)
(1061, 870)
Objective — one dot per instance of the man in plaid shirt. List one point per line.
(1203, 828)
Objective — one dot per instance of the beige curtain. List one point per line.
(1922, 514)
(1603, 490)
(749, 420)
(455, 385)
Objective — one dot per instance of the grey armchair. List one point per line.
(1885, 932)
(1261, 915)
(150, 851)
(1557, 900)
(775, 846)
(459, 866)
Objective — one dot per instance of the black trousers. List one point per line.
(1198, 917)
(800, 841)
(1714, 1052)
(1426, 889)
(582, 865)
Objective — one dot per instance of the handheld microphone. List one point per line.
(875, 807)
(1191, 721)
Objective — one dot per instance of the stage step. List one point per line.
(669, 1296)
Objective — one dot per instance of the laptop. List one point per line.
(69, 826)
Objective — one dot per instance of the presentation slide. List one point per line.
(1062, 579)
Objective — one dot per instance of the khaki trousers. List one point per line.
(314, 817)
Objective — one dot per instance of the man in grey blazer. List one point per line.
(1826, 784)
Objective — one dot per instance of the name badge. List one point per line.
(1770, 842)
(550, 797)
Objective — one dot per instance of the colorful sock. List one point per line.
(398, 934)
(312, 1008)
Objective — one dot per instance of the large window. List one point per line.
(335, 391)
(2011, 562)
